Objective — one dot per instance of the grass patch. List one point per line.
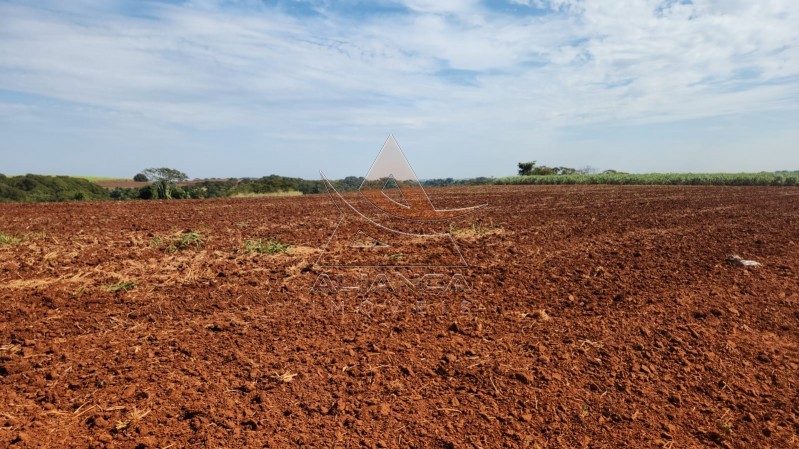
(270, 246)
(267, 194)
(101, 178)
(480, 228)
(6, 239)
(185, 240)
(121, 287)
(178, 242)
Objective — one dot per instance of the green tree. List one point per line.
(141, 177)
(564, 170)
(526, 168)
(164, 181)
(543, 170)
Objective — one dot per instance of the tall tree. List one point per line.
(164, 179)
(526, 168)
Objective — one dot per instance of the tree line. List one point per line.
(163, 183)
(531, 169)
(167, 183)
(34, 188)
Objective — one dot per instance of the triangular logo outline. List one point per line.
(392, 186)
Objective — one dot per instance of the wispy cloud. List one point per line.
(293, 74)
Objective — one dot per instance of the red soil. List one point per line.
(597, 317)
(121, 183)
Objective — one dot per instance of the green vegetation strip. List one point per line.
(669, 179)
(33, 188)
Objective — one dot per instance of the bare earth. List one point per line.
(598, 316)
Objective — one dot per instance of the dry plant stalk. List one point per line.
(285, 377)
(136, 415)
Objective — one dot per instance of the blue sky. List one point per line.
(469, 88)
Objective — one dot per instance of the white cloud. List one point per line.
(456, 7)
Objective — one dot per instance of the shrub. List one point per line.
(185, 240)
(271, 246)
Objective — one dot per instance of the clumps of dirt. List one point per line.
(540, 315)
(476, 231)
(666, 346)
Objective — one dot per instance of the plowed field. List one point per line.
(595, 317)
